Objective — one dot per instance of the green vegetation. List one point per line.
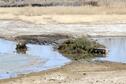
(80, 48)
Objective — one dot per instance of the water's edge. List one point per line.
(116, 47)
(37, 58)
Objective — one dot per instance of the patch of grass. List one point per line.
(79, 48)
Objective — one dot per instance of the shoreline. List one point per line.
(44, 76)
(72, 22)
(82, 66)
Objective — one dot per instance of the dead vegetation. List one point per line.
(44, 3)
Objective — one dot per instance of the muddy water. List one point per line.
(116, 47)
(36, 58)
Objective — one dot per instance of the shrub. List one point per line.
(80, 48)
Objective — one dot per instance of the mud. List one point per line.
(43, 39)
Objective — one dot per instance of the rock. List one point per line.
(21, 47)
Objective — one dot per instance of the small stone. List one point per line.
(84, 74)
(96, 81)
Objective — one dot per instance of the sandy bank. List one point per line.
(75, 21)
(11, 29)
(77, 72)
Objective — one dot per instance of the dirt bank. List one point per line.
(75, 21)
(11, 29)
(43, 39)
(77, 72)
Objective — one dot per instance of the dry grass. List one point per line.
(62, 10)
(61, 14)
(108, 3)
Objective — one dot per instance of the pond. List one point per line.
(116, 47)
(36, 58)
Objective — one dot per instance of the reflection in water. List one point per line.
(37, 58)
(21, 51)
(116, 47)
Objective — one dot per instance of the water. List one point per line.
(116, 47)
(37, 58)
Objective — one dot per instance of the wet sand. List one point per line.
(77, 72)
